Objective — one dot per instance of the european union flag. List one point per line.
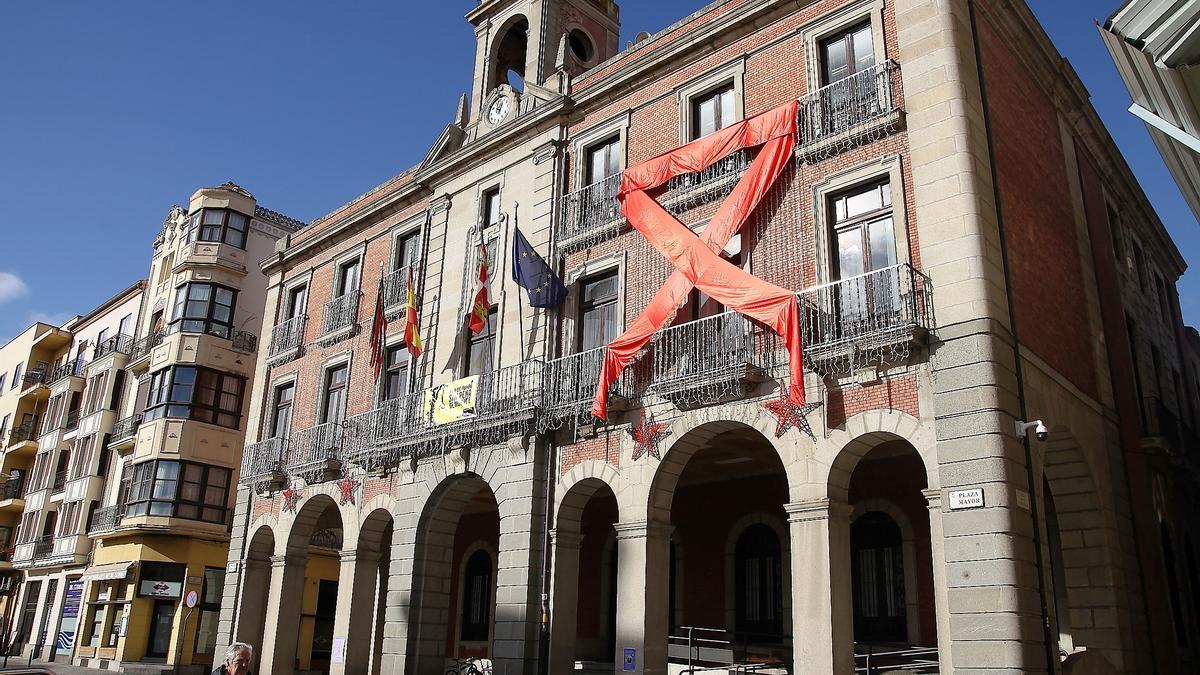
(532, 273)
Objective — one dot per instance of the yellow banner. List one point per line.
(452, 402)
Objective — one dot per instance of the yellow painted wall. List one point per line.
(319, 567)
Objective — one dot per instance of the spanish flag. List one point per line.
(412, 322)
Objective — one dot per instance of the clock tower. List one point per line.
(519, 41)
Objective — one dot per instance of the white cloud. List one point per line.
(53, 319)
(11, 287)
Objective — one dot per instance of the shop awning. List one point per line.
(107, 572)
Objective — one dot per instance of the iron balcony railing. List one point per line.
(117, 344)
(12, 488)
(367, 434)
(867, 310)
(106, 519)
(35, 377)
(72, 368)
(6, 555)
(395, 287)
(71, 421)
(590, 209)
(710, 184)
(287, 335)
(698, 350)
(263, 459)
(244, 341)
(341, 313)
(26, 431)
(843, 105)
(570, 381)
(60, 482)
(314, 448)
(124, 429)
(142, 347)
(43, 547)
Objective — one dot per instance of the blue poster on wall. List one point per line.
(72, 599)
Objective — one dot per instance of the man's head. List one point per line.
(237, 658)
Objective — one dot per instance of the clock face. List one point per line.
(498, 110)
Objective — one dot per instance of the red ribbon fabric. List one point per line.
(695, 258)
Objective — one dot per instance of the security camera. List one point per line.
(1039, 429)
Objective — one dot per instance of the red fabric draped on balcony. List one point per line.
(695, 258)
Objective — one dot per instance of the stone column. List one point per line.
(822, 606)
(380, 616)
(398, 609)
(941, 594)
(254, 577)
(564, 600)
(283, 614)
(357, 577)
(642, 579)
(519, 567)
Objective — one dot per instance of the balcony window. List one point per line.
(479, 350)
(847, 53)
(407, 250)
(68, 524)
(865, 242)
(334, 407)
(598, 320)
(348, 277)
(179, 489)
(712, 111)
(603, 160)
(395, 379)
(204, 308)
(195, 393)
(491, 207)
(220, 225)
(281, 422)
(297, 302)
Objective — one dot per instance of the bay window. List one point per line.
(195, 393)
(179, 489)
(204, 308)
(219, 225)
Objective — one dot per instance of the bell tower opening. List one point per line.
(508, 61)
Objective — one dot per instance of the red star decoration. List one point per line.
(790, 415)
(347, 485)
(291, 497)
(646, 435)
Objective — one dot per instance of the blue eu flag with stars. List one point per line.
(532, 273)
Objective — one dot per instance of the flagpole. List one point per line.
(520, 311)
(503, 290)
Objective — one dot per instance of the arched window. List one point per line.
(759, 584)
(877, 569)
(508, 66)
(477, 598)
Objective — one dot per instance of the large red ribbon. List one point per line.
(697, 263)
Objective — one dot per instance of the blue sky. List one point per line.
(113, 111)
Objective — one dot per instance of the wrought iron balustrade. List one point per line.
(12, 488)
(591, 213)
(370, 438)
(288, 335)
(315, 449)
(72, 368)
(26, 431)
(710, 184)
(263, 459)
(341, 314)
(117, 344)
(60, 482)
(395, 287)
(244, 341)
(570, 385)
(844, 107)
(509, 390)
(708, 359)
(106, 519)
(43, 547)
(867, 318)
(125, 429)
(36, 377)
(142, 347)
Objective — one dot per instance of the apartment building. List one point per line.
(992, 469)
(78, 372)
(139, 408)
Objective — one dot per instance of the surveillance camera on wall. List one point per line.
(1039, 429)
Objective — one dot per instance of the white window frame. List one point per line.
(613, 261)
(733, 72)
(583, 142)
(336, 361)
(841, 19)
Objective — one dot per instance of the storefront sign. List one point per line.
(72, 597)
(966, 499)
(160, 589)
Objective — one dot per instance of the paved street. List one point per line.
(21, 665)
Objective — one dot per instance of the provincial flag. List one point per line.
(412, 322)
(478, 319)
(533, 273)
(378, 333)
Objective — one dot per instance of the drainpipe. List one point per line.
(1047, 634)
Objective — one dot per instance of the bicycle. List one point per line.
(470, 666)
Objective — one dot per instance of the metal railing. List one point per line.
(865, 310)
(590, 208)
(26, 431)
(570, 381)
(263, 459)
(71, 421)
(717, 345)
(840, 106)
(117, 344)
(43, 547)
(395, 287)
(143, 346)
(35, 377)
(314, 447)
(509, 390)
(710, 184)
(12, 488)
(367, 434)
(60, 482)
(287, 335)
(72, 368)
(106, 519)
(244, 341)
(340, 313)
(125, 429)
(876, 659)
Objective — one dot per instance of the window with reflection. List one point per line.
(281, 421)
(598, 321)
(712, 111)
(846, 53)
(865, 255)
(204, 308)
(197, 393)
(479, 350)
(179, 489)
(225, 226)
(395, 379)
(334, 409)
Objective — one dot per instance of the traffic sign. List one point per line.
(191, 598)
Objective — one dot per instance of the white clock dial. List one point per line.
(498, 110)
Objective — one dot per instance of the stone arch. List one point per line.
(868, 430)
(299, 528)
(909, 547)
(779, 526)
(509, 51)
